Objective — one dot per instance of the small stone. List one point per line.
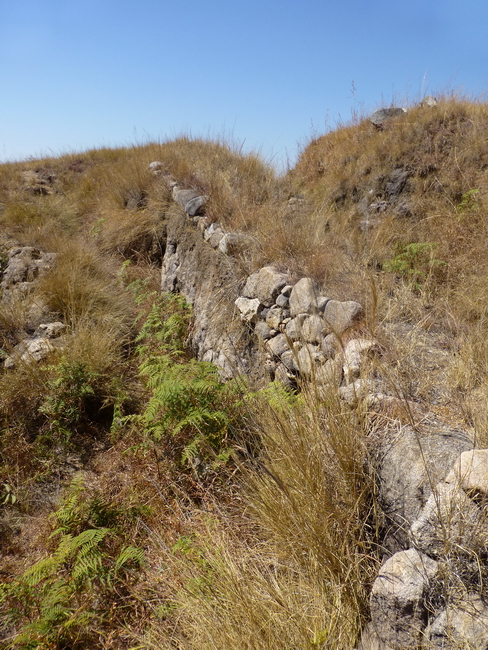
(249, 308)
(273, 317)
(262, 331)
(282, 301)
(277, 345)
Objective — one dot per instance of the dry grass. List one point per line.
(284, 556)
(291, 566)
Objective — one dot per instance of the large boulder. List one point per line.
(397, 601)
(340, 316)
(265, 285)
(463, 624)
(304, 297)
(408, 466)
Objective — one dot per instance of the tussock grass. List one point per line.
(292, 568)
(83, 285)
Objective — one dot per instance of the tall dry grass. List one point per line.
(291, 566)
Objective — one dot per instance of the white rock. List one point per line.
(249, 308)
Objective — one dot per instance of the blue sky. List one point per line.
(267, 74)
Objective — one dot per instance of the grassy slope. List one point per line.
(277, 554)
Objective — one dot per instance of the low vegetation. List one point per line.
(144, 503)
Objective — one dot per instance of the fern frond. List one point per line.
(129, 554)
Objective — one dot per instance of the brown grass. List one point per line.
(280, 550)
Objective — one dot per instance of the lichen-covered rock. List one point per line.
(274, 317)
(29, 351)
(25, 265)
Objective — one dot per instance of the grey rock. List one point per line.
(309, 356)
(449, 524)
(235, 243)
(208, 232)
(329, 375)
(289, 360)
(463, 624)
(155, 166)
(313, 329)
(294, 327)
(50, 330)
(428, 101)
(396, 603)
(265, 285)
(304, 297)
(356, 391)
(340, 316)
(274, 317)
(408, 465)
(262, 331)
(208, 281)
(396, 182)
(287, 289)
(322, 302)
(28, 351)
(282, 300)
(25, 265)
(194, 207)
(355, 352)
(285, 377)
(329, 346)
(277, 345)
(382, 115)
(216, 237)
(470, 472)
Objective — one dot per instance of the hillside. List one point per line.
(170, 477)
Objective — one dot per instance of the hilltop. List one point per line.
(167, 478)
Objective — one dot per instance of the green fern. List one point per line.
(51, 600)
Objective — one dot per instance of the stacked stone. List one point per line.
(449, 536)
(301, 330)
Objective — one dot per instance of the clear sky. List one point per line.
(268, 74)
